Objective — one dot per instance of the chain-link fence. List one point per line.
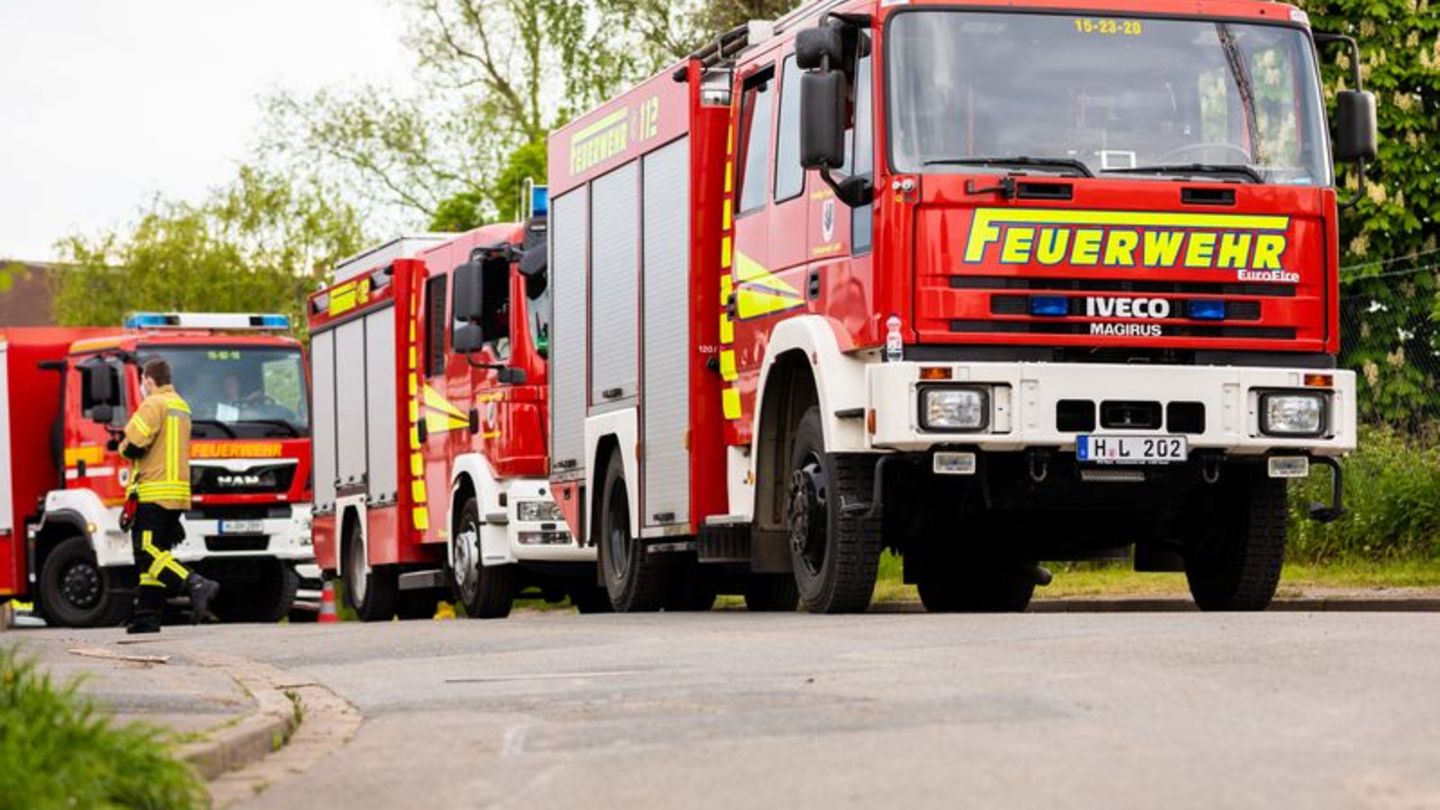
(1391, 339)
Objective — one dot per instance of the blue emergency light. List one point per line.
(207, 320)
(1049, 306)
(539, 201)
(1204, 310)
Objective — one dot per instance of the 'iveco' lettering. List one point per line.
(1250, 245)
(1097, 307)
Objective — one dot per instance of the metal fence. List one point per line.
(1390, 337)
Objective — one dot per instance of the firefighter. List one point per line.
(157, 440)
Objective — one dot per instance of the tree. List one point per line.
(259, 243)
(1389, 239)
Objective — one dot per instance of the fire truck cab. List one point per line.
(429, 357)
(983, 286)
(65, 395)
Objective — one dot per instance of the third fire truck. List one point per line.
(429, 361)
(982, 285)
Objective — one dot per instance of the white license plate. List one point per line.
(1131, 449)
(242, 527)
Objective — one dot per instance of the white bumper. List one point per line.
(281, 538)
(537, 540)
(1023, 399)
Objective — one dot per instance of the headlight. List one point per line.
(953, 409)
(537, 511)
(1300, 414)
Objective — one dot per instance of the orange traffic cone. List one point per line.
(327, 605)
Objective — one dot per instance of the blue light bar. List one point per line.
(148, 320)
(1203, 310)
(275, 321)
(1049, 306)
(539, 201)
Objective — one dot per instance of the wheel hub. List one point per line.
(806, 513)
(618, 552)
(467, 558)
(81, 585)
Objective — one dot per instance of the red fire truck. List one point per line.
(428, 358)
(984, 286)
(65, 393)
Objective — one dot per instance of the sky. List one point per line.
(105, 103)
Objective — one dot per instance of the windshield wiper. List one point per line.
(1020, 161)
(283, 423)
(1232, 169)
(230, 431)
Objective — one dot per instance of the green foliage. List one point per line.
(59, 751)
(260, 244)
(11, 272)
(1390, 238)
(1392, 489)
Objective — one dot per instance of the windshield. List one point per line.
(240, 392)
(1117, 94)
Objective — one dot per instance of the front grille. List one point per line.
(1020, 305)
(237, 542)
(279, 511)
(259, 479)
(1128, 329)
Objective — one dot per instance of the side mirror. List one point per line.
(1356, 131)
(102, 414)
(822, 119)
(813, 46)
(99, 385)
(469, 293)
(467, 339)
(533, 267)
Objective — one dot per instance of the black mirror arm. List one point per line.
(853, 191)
(1325, 38)
(1360, 187)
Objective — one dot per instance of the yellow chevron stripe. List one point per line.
(727, 366)
(420, 516)
(755, 302)
(730, 402)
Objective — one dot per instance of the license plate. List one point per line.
(1131, 449)
(242, 526)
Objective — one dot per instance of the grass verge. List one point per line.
(1116, 579)
(60, 750)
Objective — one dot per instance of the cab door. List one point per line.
(95, 413)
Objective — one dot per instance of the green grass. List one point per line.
(1117, 579)
(59, 749)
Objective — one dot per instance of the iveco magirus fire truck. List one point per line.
(66, 394)
(984, 285)
(429, 364)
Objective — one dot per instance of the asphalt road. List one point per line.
(736, 710)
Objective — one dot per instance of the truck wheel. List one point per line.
(76, 592)
(834, 545)
(266, 600)
(982, 589)
(372, 596)
(771, 593)
(635, 580)
(485, 591)
(1233, 562)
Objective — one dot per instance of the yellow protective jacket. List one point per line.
(160, 429)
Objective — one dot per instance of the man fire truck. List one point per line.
(65, 396)
(429, 364)
(982, 286)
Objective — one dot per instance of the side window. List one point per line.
(756, 114)
(861, 155)
(495, 322)
(789, 175)
(435, 326)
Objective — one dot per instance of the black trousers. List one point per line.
(155, 532)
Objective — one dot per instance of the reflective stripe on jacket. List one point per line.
(161, 427)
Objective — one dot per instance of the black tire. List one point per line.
(76, 592)
(483, 591)
(771, 593)
(1233, 560)
(634, 579)
(266, 600)
(981, 589)
(372, 596)
(591, 599)
(834, 543)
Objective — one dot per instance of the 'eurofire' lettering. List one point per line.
(1254, 245)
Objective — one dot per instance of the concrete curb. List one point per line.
(1182, 604)
(256, 736)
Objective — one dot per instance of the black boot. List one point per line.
(201, 592)
(144, 621)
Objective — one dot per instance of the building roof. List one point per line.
(30, 301)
